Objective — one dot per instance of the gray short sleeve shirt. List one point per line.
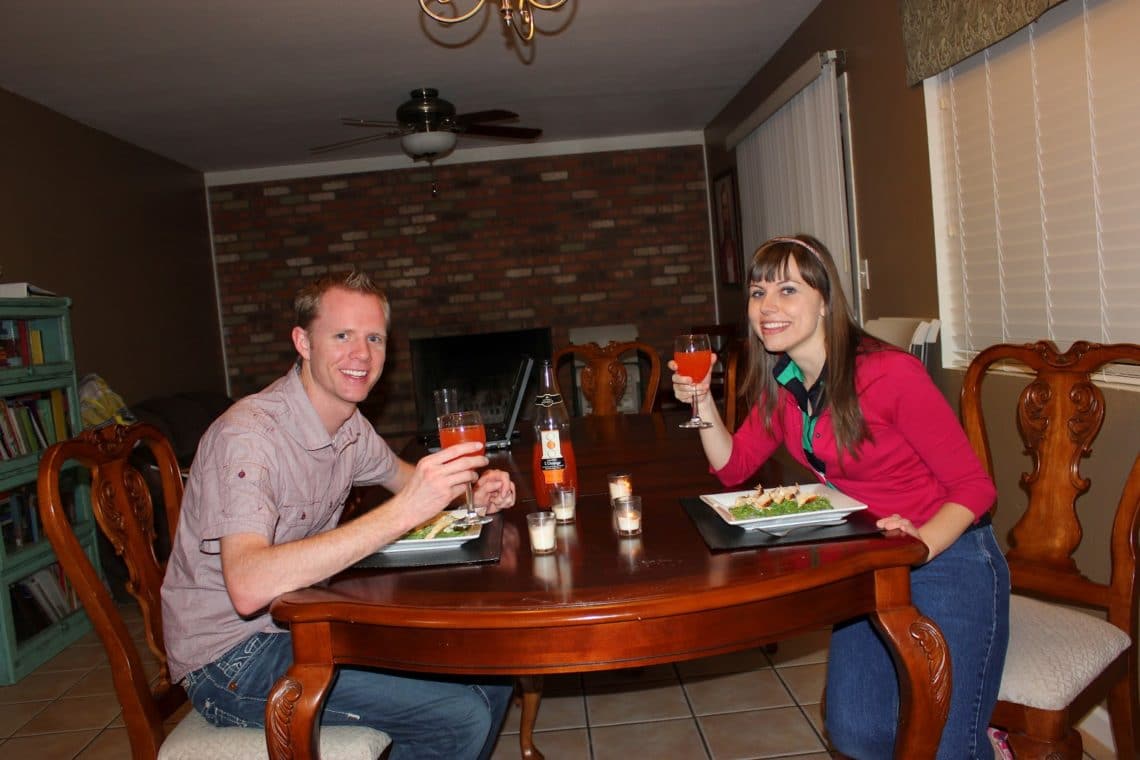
(267, 466)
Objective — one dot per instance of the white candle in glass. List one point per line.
(627, 515)
(540, 525)
(562, 500)
(628, 522)
(621, 484)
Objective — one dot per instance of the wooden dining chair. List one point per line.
(735, 368)
(604, 376)
(724, 337)
(124, 511)
(1061, 661)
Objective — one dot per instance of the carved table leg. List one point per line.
(531, 696)
(292, 728)
(923, 663)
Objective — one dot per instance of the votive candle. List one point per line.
(563, 499)
(540, 525)
(621, 484)
(627, 515)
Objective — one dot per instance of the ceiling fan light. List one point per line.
(428, 144)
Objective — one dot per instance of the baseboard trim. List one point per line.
(1097, 726)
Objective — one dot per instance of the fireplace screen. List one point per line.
(481, 366)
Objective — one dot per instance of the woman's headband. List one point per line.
(796, 241)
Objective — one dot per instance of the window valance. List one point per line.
(940, 33)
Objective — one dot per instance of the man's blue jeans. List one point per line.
(426, 717)
(965, 590)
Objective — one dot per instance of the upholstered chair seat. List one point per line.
(194, 738)
(1055, 653)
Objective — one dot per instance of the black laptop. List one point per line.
(498, 434)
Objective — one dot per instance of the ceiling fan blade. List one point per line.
(349, 122)
(510, 133)
(495, 114)
(352, 142)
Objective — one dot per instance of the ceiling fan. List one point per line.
(427, 126)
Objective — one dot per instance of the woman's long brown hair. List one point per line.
(844, 338)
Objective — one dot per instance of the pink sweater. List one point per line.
(916, 459)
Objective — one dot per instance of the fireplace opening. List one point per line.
(481, 366)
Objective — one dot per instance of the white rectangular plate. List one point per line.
(422, 544)
(841, 506)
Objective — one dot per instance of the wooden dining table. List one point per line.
(603, 601)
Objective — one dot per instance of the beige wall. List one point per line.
(124, 234)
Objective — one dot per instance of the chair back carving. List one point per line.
(1059, 414)
(123, 509)
(604, 378)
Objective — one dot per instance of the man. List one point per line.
(259, 518)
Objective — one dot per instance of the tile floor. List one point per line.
(747, 705)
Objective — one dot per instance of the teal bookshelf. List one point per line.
(39, 404)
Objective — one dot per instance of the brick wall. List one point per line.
(567, 241)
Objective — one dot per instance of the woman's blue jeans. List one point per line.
(425, 717)
(965, 590)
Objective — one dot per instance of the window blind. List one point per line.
(792, 173)
(1035, 164)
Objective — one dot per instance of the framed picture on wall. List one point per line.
(726, 217)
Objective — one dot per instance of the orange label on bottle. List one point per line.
(553, 464)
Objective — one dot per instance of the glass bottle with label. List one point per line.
(553, 461)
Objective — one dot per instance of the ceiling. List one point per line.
(224, 85)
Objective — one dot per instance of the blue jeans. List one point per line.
(426, 717)
(965, 590)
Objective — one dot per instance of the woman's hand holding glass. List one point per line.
(693, 359)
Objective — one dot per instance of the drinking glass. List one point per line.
(446, 401)
(627, 515)
(459, 427)
(540, 526)
(563, 500)
(693, 355)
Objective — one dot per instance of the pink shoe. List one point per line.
(1000, 740)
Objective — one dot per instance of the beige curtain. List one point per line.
(940, 33)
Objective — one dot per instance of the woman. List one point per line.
(866, 419)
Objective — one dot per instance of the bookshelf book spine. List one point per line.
(24, 341)
(36, 346)
(47, 421)
(32, 586)
(31, 411)
(59, 414)
(13, 425)
(27, 429)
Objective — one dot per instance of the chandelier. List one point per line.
(519, 18)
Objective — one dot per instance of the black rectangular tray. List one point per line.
(480, 550)
(720, 536)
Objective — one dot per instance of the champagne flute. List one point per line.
(459, 427)
(693, 355)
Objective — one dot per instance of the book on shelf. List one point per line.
(46, 417)
(37, 435)
(20, 527)
(45, 589)
(36, 346)
(13, 432)
(24, 429)
(59, 413)
(22, 290)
